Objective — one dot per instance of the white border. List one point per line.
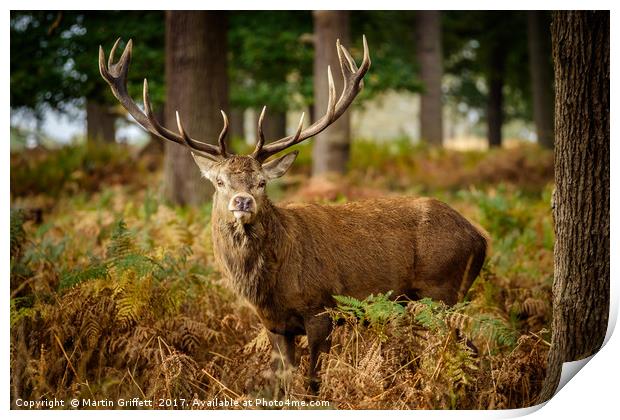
(593, 393)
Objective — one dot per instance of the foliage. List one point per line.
(115, 295)
(391, 35)
(272, 56)
(377, 311)
(270, 61)
(438, 316)
(80, 167)
(472, 39)
(54, 55)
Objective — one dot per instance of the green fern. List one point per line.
(351, 306)
(21, 307)
(438, 316)
(429, 314)
(140, 264)
(123, 242)
(494, 329)
(98, 270)
(377, 310)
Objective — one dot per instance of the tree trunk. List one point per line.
(330, 153)
(196, 86)
(237, 129)
(100, 123)
(581, 198)
(428, 30)
(495, 112)
(540, 72)
(274, 125)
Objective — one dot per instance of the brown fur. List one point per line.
(290, 261)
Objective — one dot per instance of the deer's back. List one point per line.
(414, 246)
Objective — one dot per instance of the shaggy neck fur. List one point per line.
(247, 253)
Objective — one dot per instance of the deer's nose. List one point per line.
(242, 203)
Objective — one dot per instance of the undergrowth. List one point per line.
(115, 295)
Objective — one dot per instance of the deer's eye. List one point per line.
(219, 182)
(261, 184)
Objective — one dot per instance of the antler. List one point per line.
(353, 84)
(116, 76)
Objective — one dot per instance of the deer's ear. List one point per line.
(206, 165)
(277, 167)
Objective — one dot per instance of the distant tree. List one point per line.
(485, 52)
(330, 152)
(236, 119)
(495, 71)
(272, 57)
(429, 54)
(270, 65)
(54, 62)
(391, 37)
(539, 45)
(581, 198)
(196, 86)
(100, 121)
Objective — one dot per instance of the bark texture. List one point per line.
(429, 54)
(100, 122)
(196, 86)
(330, 153)
(581, 198)
(539, 42)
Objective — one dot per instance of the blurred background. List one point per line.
(479, 75)
(114, 290)
(460, 80)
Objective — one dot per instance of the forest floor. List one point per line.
(114, 294)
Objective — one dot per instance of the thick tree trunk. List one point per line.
(495, 110)
(196, 86)
(100, 123)
(428, 30)
(274, 125)
(539, 40)
(581, 198)
(330, 153)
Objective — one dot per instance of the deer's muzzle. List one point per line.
(243, 206)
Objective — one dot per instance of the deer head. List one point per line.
(239, 180)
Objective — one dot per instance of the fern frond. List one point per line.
(123, 242)
(77, 276)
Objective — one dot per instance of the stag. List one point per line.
(289, 261)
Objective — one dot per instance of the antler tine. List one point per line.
(365, 62)
(188, 140)
(260, 141)
(112, 51)
(345, 57)
(331, 101)
(115, 74)
(181, 129)
(221, 139)
(148, 109)
(353, 83)
(351, 74)
(299, 127)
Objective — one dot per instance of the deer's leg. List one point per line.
(318, 329)
(283, 350)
